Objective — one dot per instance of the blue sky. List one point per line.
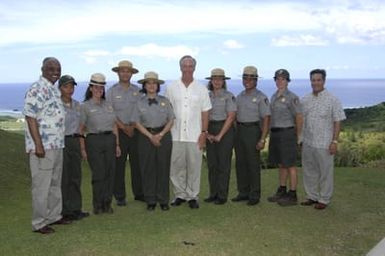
(345, 37)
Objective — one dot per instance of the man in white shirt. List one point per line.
(323, 114)
(191, 104)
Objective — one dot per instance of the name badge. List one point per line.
(118, 97)
(254, 100)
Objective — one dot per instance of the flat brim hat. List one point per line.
(97, 79)
(66, 79)
(282, 73)
(218, 72)
(151, 75)
(125, 64)
(250, 71)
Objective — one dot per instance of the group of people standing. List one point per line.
(163, 137)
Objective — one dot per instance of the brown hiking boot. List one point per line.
(281, 192)
(289, 199)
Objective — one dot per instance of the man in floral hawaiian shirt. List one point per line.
(44, 137)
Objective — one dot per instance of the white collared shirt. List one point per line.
(188, 104)
(320, 112)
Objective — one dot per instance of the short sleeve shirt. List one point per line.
(252, 107)
(222, 104)
(123, 100)
(153, 115)
(188, 104)
(72, 117)
(320, 112)
(97, 117)
(284, 109)
(43, 102)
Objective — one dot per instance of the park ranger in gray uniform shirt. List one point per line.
(286, 123)
(220, 137)
(101, 146)
(72, 171)
(153, 116)
(253, 114)
(123, 96)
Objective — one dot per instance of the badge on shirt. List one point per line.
(163, 104)
(135, 93)
(254, 99)
(93, 110)
(296, 101)
(283, 99)
(118, 97)
(110, 109)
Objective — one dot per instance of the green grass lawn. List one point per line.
(352, 225)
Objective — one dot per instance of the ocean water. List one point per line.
(351, 92)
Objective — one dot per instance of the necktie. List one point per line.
(152, 101)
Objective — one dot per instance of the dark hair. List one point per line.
(187, 57)
(143, 90)
(318, 71)
(211, 87)
(88, 94)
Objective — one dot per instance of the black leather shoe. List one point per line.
(46, 230)
(151, 207)
(164, 207)
(239, 198)
(193, 204)
(252, 202)
(220, 201)
(210, 199)
(178, 201)
(81, 215)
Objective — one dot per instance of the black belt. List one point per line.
(217, 121)
(100, 133)
(278, 129)
(248, 123)
(75, 135)
(154, 130)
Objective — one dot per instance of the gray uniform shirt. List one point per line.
(97, 117)
(252, 107)
(284, 109)
(154, 115)
(123, 100)
(222, 104)
(72, 117)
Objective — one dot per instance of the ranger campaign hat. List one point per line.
(282, 73)
(125, 64)
(98, 79)
(66, 79)
(218, 72)
(250, 71)
(151, 75)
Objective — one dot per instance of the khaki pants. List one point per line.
(185, 170)
(318, 173)
(46, 187)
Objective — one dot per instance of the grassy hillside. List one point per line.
(366, 119)
(352, 225)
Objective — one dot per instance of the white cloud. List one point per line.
(77, 21)
(154, 50)
(232, 44)
(147, 50)
(300, 40)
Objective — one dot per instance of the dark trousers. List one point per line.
(101, 153)
(219, 156)
(71, 177)
(128, 147)
(248, 161)
(154, 164)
